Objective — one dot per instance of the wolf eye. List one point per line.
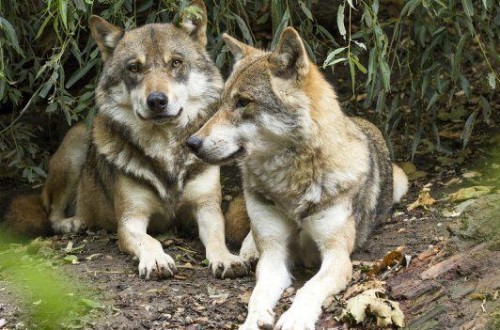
(134, 67)
(242, 103)
(176, 63)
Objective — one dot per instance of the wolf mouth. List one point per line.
(161, 117)
(240, 152)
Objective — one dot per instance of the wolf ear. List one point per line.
(196, 24)
(105, 34)
(290, 56)
(237, 48)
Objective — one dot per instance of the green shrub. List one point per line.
(408, 60)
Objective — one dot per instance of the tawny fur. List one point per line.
(27, 216)
(316, 181)
(237, 222)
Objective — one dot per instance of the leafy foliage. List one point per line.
(409, 60)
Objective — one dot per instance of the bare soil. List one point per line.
(460, 293)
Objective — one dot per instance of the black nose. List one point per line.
(157, 102)
(194, 143)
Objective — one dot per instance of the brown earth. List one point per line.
(450, 283)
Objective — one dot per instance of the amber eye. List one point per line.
(176, 63)
(242, 103)
(134, 67)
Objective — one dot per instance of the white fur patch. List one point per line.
(400, 183)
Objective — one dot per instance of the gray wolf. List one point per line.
(158, 86)
(315, 180)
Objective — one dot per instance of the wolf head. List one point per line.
(156, 73)
(267, 102)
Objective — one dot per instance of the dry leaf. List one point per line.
(374, 302)
(424, 199)
(407, 167)
(469, 193)
(457, 210)
(391, 259)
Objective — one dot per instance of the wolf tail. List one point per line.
(400, 183)
(27, 216)
(237, 222)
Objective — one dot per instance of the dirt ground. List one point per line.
(194, 299)
(456, 296)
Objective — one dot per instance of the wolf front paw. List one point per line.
(249, 251)
(294, 319)
(157, 264)
(260, 321)
(68, 225)
(227, 265)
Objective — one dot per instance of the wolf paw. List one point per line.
(296, 320)
(160, 264)
(263, 321)
(68, 225)
(227, 265)
(249, 251)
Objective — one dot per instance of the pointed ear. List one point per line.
(105, 34)
(290, 56)
(195, 24)
(237, 48)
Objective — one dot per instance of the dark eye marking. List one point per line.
(176, 63)
(242, 102)
(134, 67)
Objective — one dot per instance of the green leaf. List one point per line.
(359, 65)
(78, 74)
(468, 127)
(340, 21)
(353, 74)
(63, 11)
(486, 110)
(331, 57)
(306, 11)
(415, 143)
(386, 75)
(410, 7)
(280, 28)
(247, 35)
(71, 259)
(10, 33)
(468, 7)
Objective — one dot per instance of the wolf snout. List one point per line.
(157, 102)
(194, 143)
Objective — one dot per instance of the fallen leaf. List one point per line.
(93, 256)
(458, 210)
(358, 288)
(469, 193)
(408, 167)
(71, 259)
(417, 175)
(424, 199)
(470, 175)
(245, 296)
(374, 302)
(391, 259)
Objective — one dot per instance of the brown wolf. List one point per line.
(315, 181)
(158, 86)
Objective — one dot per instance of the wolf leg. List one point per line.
(203, 192)
(248, 249)
(334, 232)
(132, 238)
(272, 232)
(68, 225)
